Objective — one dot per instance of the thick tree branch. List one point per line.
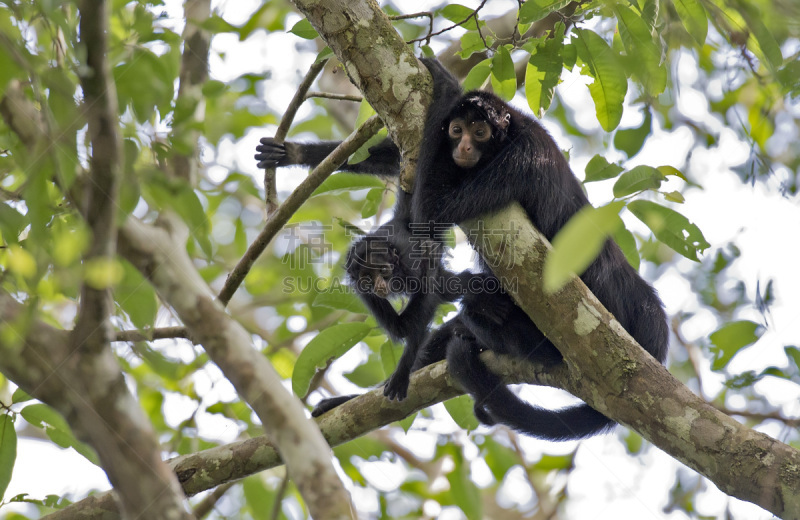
(381, 65)
(209, 468)
(193, 74)
(608, 369)
(91, 393)
(159, 254)
(97, 402)
(611, 372)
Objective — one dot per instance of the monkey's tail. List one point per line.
(573, 422)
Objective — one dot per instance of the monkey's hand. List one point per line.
(272, 154)
(396, 386)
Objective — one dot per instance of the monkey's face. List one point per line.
(469, 139)
(376, 279)
(372, 266)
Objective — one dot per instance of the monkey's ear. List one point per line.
(504, 120)
(394, 254)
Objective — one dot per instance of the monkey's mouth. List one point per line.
(465, 162)
(381, 288)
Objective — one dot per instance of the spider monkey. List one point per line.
(478, 155)
(484, 155)
(391, 261)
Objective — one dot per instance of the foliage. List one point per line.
(628, 53)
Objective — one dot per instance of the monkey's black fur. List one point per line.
(432, 350)
(521, 163)
(402, 263)
(408, 265)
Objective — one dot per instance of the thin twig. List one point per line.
(285, 211)
(205, 506)
(276, 504)
(427, 14)
(473, 14)
(329, 95)
(152, 334)
(270, 188)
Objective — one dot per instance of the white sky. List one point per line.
(608, 483)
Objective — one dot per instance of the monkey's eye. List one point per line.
(386, 271)
(455, 130)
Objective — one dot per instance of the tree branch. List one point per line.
(271, 191)
(193, 74)
(608, 369)
(158, 253)
(381, 65)
(294, 201)
(612, 373)
(98, 404)
(209, 468)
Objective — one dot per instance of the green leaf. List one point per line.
(640, 178)
(340, 297)
(732, 337)
(324, 54)
(793, 353)
(579, 242)
(693, 17)
(610, 85)
(57, 429)
(555, 462)
(465, 493)
(367, 374)
(362, 153)
(543, 71)
(456, 13)
(770, 48)
(675, 196)
(259, 497)
(304, 30)
(216, 24)
(461, 410)
(504, 78)
(499, 458)
(390, 354)
(342, 182)
(406, 422)
(8, 451)
(599, 169)
(631, 140)
(330, 343)
(471, 43)
(627, 243)
(12, 222)
(20, 396)
(372, 203)
(671, 170)
(650, 13)
(534, 10)
(633, 442)
(671, 228)
(478, 75)
(643, 48)
(136, 297)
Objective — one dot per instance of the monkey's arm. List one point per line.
(384, 158)
(414, 320)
